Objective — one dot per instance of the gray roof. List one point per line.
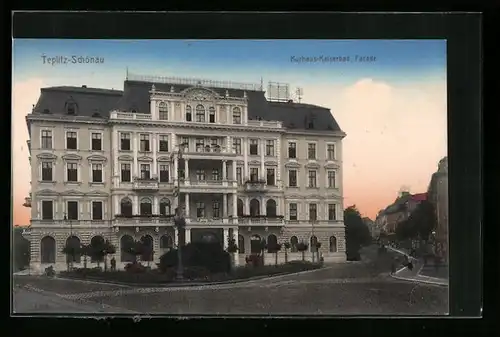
(136, 96)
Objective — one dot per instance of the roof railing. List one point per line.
(195, 81)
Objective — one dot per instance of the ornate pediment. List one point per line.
(200, 94)
(96, 157)
(47, 193)
(240, 162)
(314, 196)
(294, 196)
(71, 157)
(163, 158)
(292, 164)
(97, 194)
(312, 165)
(332, 166)
(254, 162)
(73, 192)
(144, 158)
(47, 156)
(271, 163)
(126, 157)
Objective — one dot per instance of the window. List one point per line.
(331, 179)
(188, 113)
(145, 171)
(215, 174)
(330, 151)
(46, 139)
(47, 210)
(144, 143)
(332, 212)
(239, 176)
(97, 173)
(126, 177)
(311, 151)
(312, 179)
(200, 144)
(47, 171)
(200, 175)
(292, 150)
(72, 210)
(97, 210)
(125, 141)
(72, 172)
(96, 142)
(293, 211)
(163, 111)
(270, 148)
(146, 207)
(216, 210)
(71, 143)
(270, 177)
(214, 142)
(236, 115)
(200, 209)
(254, 147)
(254, 174)
(185, 143)
(126, 207)
(313, 212)
(71, 108)
(211, 114)
(292, 178)
(164, 174)
(163, 143)
(237, 145)
(165, 206)
(200, 113)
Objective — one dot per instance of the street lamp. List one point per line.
(179, 220)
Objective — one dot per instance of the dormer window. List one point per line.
(211, 114)
(71, 108)
(188, 113)
(236, 115)
(200, 113)
(163, 111)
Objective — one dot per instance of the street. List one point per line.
(349, 289)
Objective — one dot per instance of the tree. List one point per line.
(423, 219)
(22, 249)
(232, 248)
(71, 252)
(318, 246)
(134, 248)
(287, 246)
(357, 232)
(86, 251)
(101, 250)
(302, 247)
(274, 248)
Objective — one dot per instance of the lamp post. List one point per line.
(179, 220)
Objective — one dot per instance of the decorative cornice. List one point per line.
(254, 162)
(96, 157)
(200, 94)
(72, 193)
(312, 165)
(145, 158)
(72, 157)
(126, 157)
(47, 193)
(47, 156)
(271, 163)
(292, 165)
(163, 158)
(97, 194)
(331, 166)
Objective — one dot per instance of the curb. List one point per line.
(190, 284)
(436, 283)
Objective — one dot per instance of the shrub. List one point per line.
(49, 271)
(196, 273)
(135, 267)
(254, 260)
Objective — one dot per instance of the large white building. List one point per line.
(106, 165)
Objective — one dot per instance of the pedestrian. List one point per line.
(113, 264)
(393, 267)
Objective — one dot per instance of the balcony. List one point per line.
(144, 184)
(261, 220)
(207, 151)
(211, 186)
(268, 124)
(127, 115)
(255, 185)
(143, 220)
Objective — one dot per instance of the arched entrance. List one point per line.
(255, 244)
(125, 242)
(48, 250)
(147, 242)
(73, 244)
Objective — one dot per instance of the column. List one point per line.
(224, 170)
(226, 237)
(186, 172)
(153, 109)
(278, 156)
(176, 169)
(224, 205)
(235, 205)
(245, 158)
(262, 160)
(233, 166)
(246, 208)
(116, 164)
(186, 201)
(135, 206)
(262, 206)
(153, 148)
(188, 235)
(176, 237)
(236, 256)
(155, 205)
(134, 149)
(229, 114)
(229, 145)
(117, 210)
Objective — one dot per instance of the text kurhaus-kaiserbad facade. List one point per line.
(106, 165)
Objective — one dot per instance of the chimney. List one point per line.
(84, 86)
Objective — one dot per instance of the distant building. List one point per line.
(438, 196)
(400, 210)
(374, 232)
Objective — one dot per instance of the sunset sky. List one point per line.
(393, 108)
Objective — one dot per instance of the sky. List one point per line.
(388, 96)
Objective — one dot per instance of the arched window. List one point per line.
(333, 244)
(126, 242)
(271, 208)
(211, 114)
(126, 207)
(254, 208)
(314, 241)
(165, 207)
(189, 113)
(71, 108)
(163, 111)
(272, 240)
(236, 115)
(73, 253)
(240, 207)
(146, 207)
(166, 243)
(200, 113)
(241, 244)
(48, 250)
(255, 244)
(95, 243)
(147, 243)
(293, 244)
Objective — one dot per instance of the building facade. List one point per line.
(438, 196)
(114, 165)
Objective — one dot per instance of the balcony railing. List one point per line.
(255, 185)
(261, 220)
(148, 184)
(270, 124)
(212, 150)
